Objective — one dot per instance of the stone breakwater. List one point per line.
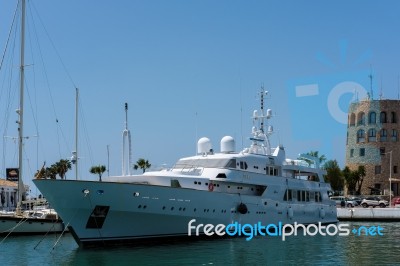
(368, 214)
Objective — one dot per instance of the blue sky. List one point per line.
(190, 69)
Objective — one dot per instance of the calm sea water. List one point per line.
(296, 250)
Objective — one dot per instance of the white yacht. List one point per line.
(257, 184)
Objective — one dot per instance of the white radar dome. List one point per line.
(204, 145)
(227, 144)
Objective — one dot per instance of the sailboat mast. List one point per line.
(21, 109)
(76, 132)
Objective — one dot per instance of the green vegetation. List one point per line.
(142, 164)
(99, 170)
(352, 179)
(59, 168)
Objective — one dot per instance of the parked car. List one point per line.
(356, 199)
(347, 202)
(374, 202)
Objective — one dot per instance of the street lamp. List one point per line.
(390, 178)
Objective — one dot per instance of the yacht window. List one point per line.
(271, 171)
(294, 193)
(275, 171)
(307, 196)
(97, 217)
(209, 163)
(221, 175)
(317, 196)
(312, 195)
(288, 195)
(298, 195)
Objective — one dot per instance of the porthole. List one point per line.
(136, 194)
(144, 207)
(172, 208)
(163, 207)
(140, 206)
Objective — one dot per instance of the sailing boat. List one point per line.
(37, 221)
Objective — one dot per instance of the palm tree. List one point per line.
(142, 164)
(62, 167)
(51, 172)
(321, 158)
(100, 169)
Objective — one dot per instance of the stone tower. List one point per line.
(373, 141)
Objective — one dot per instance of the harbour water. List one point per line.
(296, 250)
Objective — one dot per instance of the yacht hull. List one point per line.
(102, 212)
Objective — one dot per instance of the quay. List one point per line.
(368, 214)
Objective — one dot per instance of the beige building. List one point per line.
(373, 141)
(8, 194)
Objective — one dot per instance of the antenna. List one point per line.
(371, 91)
(262, 107)
(381, 93)
(126, 135)
(126, 115)
(398, 87)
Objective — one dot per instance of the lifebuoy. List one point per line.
(211, 187)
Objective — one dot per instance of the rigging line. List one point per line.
(43, 65)
(54, 47)
(82, 114)
(23, 220)
(9, 35)
(62, 233)
(11, 93)
(95, 220)
(45, 235)
(58, 128)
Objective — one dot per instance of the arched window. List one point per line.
(383, 118)
(394, 135)
(352, 119)
(383, 134)
(361, 118)
(393, 117)
(360, 135)
(372, 118)
(372, 134)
